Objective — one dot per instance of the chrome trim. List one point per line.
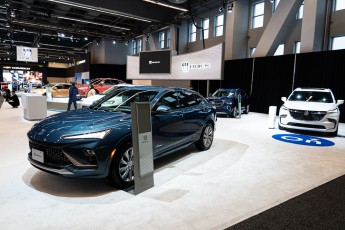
(77, 163)
(58, 171)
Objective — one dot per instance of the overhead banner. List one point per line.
(202, 65)
(27, 54)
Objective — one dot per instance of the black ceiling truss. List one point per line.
(63, 29)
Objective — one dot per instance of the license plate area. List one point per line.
(37, 155)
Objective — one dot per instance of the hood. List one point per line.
(77, 122)
(220, 98)
(310, 106)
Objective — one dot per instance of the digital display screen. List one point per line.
(155, 62)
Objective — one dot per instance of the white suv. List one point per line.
(310, 109)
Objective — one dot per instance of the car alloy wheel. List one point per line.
(126, 166)
(206, 138)
(121, 173)
(235, 112)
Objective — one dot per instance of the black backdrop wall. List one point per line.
(275, 77)
(107, 70)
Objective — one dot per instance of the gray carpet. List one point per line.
(320, 208)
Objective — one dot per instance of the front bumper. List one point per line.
(328, 123)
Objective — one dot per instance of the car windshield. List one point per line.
(223, 93)
(311, 96)
(121, 101)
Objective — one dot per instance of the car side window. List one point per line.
(186, 99)
(169, 99)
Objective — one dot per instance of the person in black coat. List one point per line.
(14, 100)
(72, 96)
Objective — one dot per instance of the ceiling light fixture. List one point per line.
(230, 7)
(166, 5)
(101, 10)
(114, 42)
(94, 23)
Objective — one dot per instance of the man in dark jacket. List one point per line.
(72, 94)
(13, 100)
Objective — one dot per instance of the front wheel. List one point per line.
(121, 173)
(235, 112)
(206, 138)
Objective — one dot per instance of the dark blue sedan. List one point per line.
(96, 141)
(226, 101)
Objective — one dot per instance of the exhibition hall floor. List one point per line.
(245, 172)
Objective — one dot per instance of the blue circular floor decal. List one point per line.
(303, 140)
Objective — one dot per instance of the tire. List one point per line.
(206, 138)
(333, 134)
(234, 112)
(280, 127)
(246, 111)
(121, 174)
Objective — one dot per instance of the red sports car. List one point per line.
(99, 84)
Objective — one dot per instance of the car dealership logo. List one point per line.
(303, 140)
(154, 62)
(186, 66)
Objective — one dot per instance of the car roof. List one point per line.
(312, 89)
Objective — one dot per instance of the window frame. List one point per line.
(161, 39)
(218, 26)
(205, 30)
(191, 32)
(254, 16)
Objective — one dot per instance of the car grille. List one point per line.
(51, 155)
(218, 103)
(304, 115)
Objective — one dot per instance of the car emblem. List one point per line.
(306, 113)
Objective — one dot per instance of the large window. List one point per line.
(297, 47)
(338, 43)
(300, 12)
(280, 50)
(134, 47)
(206, 28)
(258, 14)
(275, 4)
(161, 39)
(192, 33)
(218, 25)
(139, 45)
(251, 51)
(168, 39)
(339, 4)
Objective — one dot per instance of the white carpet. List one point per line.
(245, 172)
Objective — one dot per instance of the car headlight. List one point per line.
(333, 111)
(95, 135)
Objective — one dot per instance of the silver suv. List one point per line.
(310, 109)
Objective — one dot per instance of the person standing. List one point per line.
(14, 100)
(72, 96)
(92, 91)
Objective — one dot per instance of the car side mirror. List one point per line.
(339, 102)
(162, 109)
(283, 99)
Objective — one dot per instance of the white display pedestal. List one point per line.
(272, 117)
(35, 106)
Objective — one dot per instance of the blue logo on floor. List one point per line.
(303, 140)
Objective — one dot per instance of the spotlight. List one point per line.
(97, 43)
(126, 43)
(272, 1)
(114, 42)
(86, 38)
(147, 38)
(230, 7)
(133, 40)
(221, 9)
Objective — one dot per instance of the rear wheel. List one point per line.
(206, 138)
(246, 110)
(235, 112)
(121, 173)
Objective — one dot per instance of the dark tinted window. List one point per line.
(169, 99)
(186, 99)
(311, 96)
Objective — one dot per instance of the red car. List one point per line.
(99, 84)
